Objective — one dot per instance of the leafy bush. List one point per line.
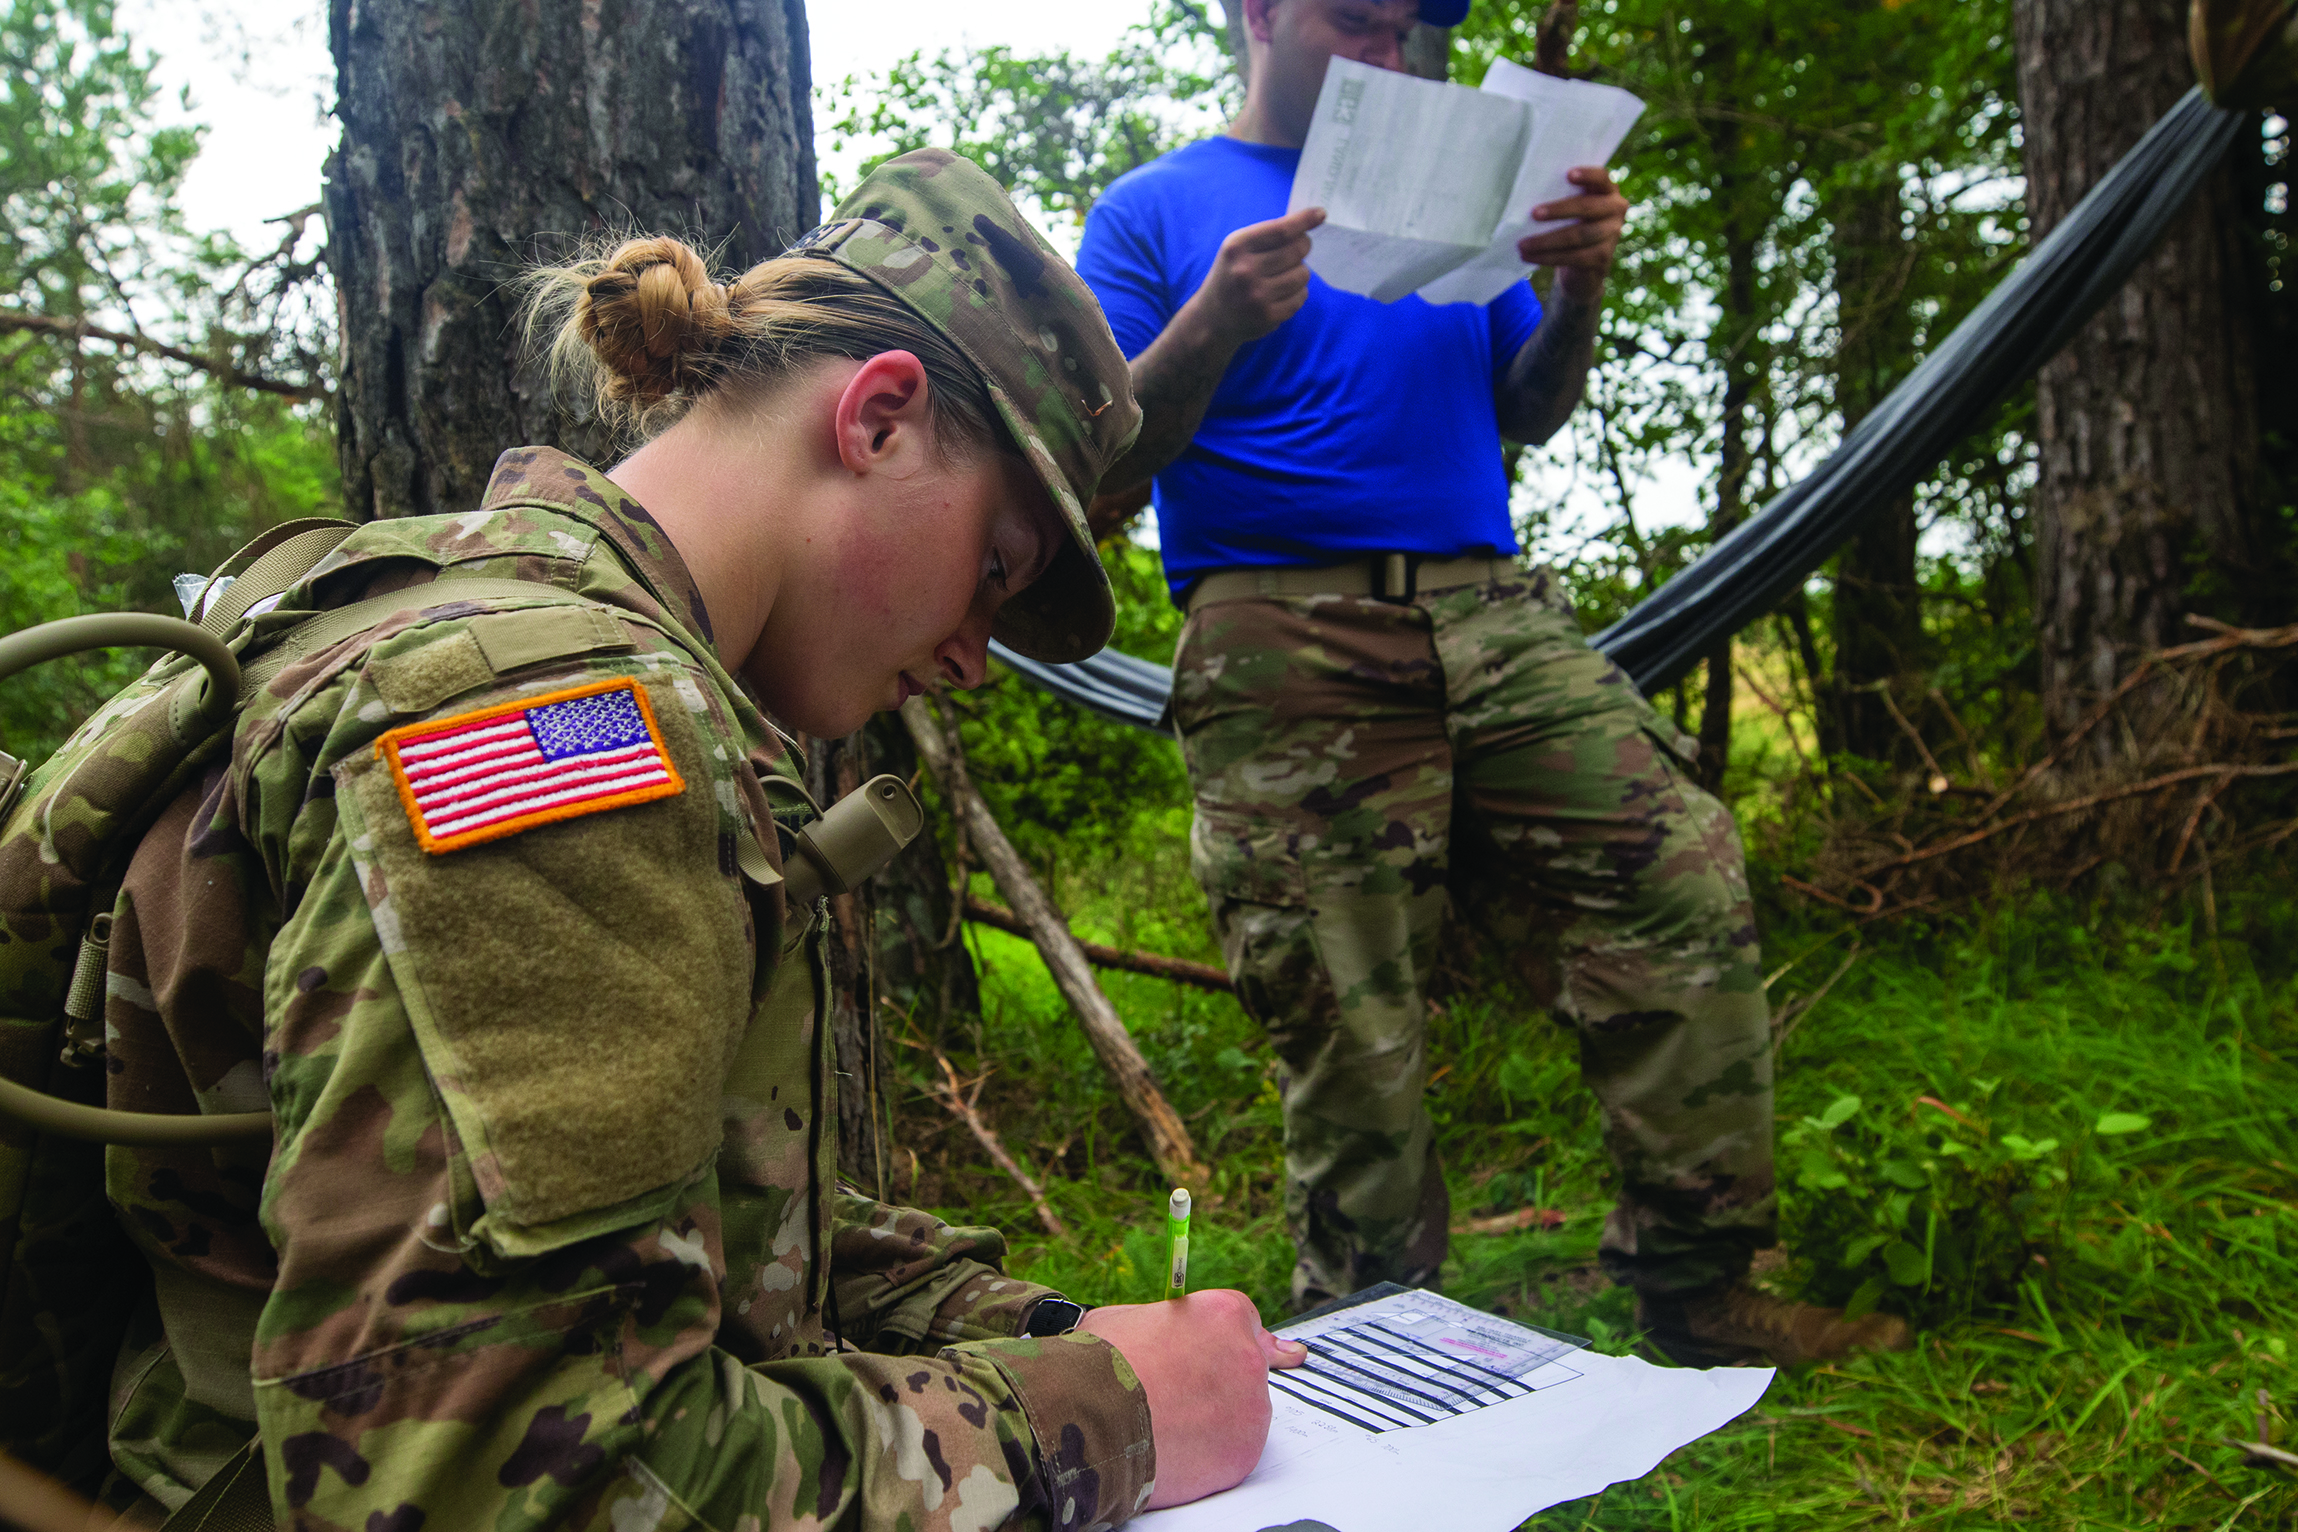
(1934, 1215)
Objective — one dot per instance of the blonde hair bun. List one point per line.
(640, 332)
(652, 314)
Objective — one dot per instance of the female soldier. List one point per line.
(477, 909)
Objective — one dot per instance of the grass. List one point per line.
(2153, 1319)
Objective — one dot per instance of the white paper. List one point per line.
(1427, 187)
(1564, 1427)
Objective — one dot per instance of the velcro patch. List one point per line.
(481, 776)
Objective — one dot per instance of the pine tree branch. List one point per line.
(222, 372)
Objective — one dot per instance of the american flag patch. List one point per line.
(484, 775)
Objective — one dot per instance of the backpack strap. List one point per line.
(277, 560)
(331, 628)
(105, 1125)
(236, 1498)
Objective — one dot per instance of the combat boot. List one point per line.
(1740, 1326)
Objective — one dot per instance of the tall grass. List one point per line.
(2145, 1320)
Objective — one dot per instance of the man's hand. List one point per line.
(1258, 280)
(1583, 253)
(1204, 1362)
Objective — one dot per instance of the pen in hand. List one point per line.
(1177, 1225)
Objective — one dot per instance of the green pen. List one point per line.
(1177, 1225)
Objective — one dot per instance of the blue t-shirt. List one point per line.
(1353, 427)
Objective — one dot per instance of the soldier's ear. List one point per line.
(883, 412)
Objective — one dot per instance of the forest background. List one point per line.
(2036, 1050)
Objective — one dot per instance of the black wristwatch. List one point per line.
(1053, 1316)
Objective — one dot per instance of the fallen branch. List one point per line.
(2076, 806)
(2260, 1454)
(1161, 1126)
(963, 1104)
(1179, 970)
(222, 372)
(1512, 1223)
(2229, 639)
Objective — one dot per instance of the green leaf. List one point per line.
(1839, 1112)
(1900, 1173)
(1906, 1264)
(2121, 1122)
(1863, 1301)
(2024, 1149)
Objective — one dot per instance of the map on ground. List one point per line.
(1427, 1360)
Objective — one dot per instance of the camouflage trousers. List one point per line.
(1356, 763)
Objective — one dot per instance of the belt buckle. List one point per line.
(1396, 577)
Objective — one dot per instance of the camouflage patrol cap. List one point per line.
(933, 229)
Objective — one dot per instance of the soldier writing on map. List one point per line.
(482, 902)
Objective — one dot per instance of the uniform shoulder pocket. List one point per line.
(574, 951)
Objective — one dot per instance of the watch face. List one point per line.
(1054, 1316)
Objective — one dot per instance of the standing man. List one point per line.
(1380, 706)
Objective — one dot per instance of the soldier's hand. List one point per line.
(1258, 280)
(1584, 252)
(1204, 1362)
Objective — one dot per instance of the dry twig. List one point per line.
(1512, 1223)
(963, 1103)
(1180, 970)
(1167, 1136)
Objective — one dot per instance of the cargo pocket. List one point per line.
(1258, 889)
(1699, 814)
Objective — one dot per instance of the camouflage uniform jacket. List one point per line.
(540, 1241)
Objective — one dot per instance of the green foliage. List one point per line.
(118, 470)
(1729, 312)
(1053, 128)
(1929, 1216)
(1067, 785)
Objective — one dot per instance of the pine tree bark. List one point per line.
(478, 136)
(2147, 423)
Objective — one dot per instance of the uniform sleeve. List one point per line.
(492, 1195)
(1118, 259)
(904, 1278)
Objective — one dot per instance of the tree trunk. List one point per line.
(1877, 616)
(481, 135)
(1736, 344)
(2146, 423)
(478, 137)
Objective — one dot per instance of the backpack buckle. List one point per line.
(1397, 576)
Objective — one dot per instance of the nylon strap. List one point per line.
(236, 1498)
(255, 556)
(331, 628)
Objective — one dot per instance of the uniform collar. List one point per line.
(547, 476)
